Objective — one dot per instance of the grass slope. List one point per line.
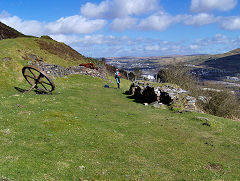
(15, 53)
(87, 132)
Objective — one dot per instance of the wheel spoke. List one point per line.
(43, 86)
(30, 76)
(35, 77)
(46, 83)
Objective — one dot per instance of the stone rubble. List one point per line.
(163, 94)
(6, 59)
(58, 71)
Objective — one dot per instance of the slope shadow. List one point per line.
(20, 89)
(36, 91)
(229, 63)
(134, 98)
(164, 98)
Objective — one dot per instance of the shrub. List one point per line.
(219, 101)
(46, 37)
(181, 76)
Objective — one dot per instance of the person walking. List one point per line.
(117, 77)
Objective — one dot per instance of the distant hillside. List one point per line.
(8, 32)
(229, 61)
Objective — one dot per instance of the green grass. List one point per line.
(21, 47)
(85, 131)
(18, 52)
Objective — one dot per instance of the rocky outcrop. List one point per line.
(163, 94)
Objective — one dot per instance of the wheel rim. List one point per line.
(37, 79)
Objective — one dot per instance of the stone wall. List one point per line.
(58, 71)
(162, 94)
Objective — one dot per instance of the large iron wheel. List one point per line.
(37, 79)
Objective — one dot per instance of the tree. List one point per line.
(137, 72)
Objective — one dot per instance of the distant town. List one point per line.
(150, 66)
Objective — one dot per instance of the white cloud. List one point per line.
(219, 43)
(26, 27)
(199, 19)
(75, 24)
(230, 23)
(221, 39)
(135, 7)
(97, 45)
(89, 40)
(194, 47)
(68, 39)
(104, 46)
(121, 24)
(92, 10)
(152, 47)
(159, 22)
(118, 8)
(209, 5)
(69, 25)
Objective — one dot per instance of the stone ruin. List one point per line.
(58, 71)
(162, 94)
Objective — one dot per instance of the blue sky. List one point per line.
(110, 28)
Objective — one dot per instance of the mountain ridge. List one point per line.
(7, 32)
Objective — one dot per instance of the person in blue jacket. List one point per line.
(117, 77)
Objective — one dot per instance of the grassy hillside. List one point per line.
(84, 131)
(15, 53)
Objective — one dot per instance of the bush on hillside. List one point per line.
(46, 37)
(137, 72)
(218, 100)
(181, 76)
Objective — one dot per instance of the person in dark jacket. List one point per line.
(117, 77)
